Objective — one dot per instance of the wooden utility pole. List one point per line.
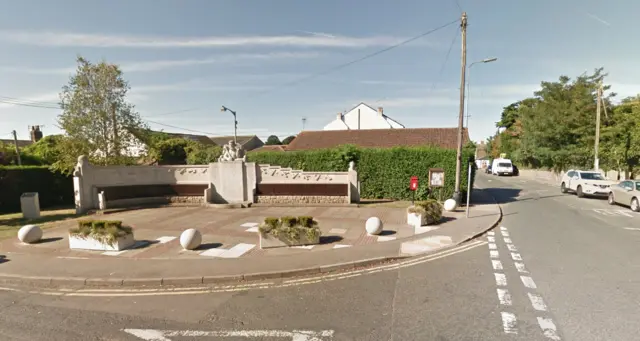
(596, 162)
(15, 143)
(463, 69)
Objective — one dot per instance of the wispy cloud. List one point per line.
(318, 34)
(595, 17)
(157, 65)
(48, 38)
(192, 85)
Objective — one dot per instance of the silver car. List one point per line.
(626, 193)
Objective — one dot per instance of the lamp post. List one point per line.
(484, 61)
(235, 123)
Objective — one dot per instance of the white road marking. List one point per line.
(340, 246)
(338, 231)
(537, 302)
(165, 239)
(504, 296)
(528, 282)
(548, 328)
(423, 229)
(493, 246)
(249, 224)
(501, 279)
(497, 265)
(213, 252)
(521, 268)
(502, 228)
(491, 233)
(491, 239)
(632, 228)
(505, 233)
(507, 240)
(385, 238)
(425, 244)
(253, 229)
(306, 247)
(511, 247)
(113, 253)
(296, 335)
(494, 254)
(509, 323)
(516, 256)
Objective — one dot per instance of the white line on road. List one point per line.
(511, 247)
(521, 268)
(632, 228)
(296, 335)
(537, 302)
(491, 233)
(504, 296)
(497, 265)
(494, 254)
(528, 282)
(491, 239)
(501, 279)
(516, 256)
(507, 240)
(502, 228)
(505, 233)
(548, 328)
(493, 246)
(509, 323)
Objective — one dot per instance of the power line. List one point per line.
(28, 100)
(33, 105)
(446, 59)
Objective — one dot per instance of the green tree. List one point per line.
(96, 115)
(201, 154)
(48, 149)
(171, 151)
(288, 140)
(273, 140)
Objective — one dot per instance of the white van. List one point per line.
(502, 167)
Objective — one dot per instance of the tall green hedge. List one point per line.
(383, 173)
(54, 189)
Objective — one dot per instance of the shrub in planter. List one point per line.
(100, 235)
(289, 231)
(424, 213)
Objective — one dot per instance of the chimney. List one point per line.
(35, 133)
(339, 116)
(380, 111)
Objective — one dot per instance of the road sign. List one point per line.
(169, 335)
(413, 183)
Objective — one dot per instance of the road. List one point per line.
(558, 268)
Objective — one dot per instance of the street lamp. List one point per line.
(484, 61)
(235, 123)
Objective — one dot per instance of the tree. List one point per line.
(288, 140)
(201, 154)
(96, 116)
(48, 149)
(170, 152)
(273, 140)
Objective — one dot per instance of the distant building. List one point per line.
(35, 133)
(362, 117)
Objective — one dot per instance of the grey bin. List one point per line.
(30, 205)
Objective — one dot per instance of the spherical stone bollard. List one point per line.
(30, 234)
(190, 239)
(450, 205)
(374, 226)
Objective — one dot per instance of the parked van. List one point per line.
(502, 167)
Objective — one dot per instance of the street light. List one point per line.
(235, 123)
(484, 61)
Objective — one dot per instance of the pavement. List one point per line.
(230, 252)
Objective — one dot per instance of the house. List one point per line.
(481, 157)
(248, 142)
(378, 138)
(34, 132)
(271, 148)
(363, 116)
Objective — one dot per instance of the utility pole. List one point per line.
(304, 122)
(596, 162)
(463, 69)
(15, 143)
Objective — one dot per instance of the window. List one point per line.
(571, 174)
(626, 184)
(638, 186)
(591, 176)
(504, 164)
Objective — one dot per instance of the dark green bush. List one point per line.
(305, 221)
(289, 221)
(54, 189)
(383, 173)
(106, 231)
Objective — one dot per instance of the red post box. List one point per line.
(413, 184)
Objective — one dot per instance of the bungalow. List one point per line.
(362, 116)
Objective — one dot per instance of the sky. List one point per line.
(278, 62)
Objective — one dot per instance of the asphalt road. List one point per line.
(559, 269)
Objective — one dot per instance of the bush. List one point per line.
(430, 208)
(105, 231)
(383, 173)
(54, 189)
(290, 229)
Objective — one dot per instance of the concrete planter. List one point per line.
(268, 241)
(122, 243)
(417, 220)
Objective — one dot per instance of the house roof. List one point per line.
(271, 148)
(222, 140)
(21, 143)
(383, 115)
(378, 138)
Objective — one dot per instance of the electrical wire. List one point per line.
(446, 60)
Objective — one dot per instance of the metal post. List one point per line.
(468, 189)
(463, 28)
(596, 162)
(15, 142)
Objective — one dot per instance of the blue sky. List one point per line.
(197, 55)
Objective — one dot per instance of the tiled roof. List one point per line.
(222, 140)
(271, 148)
(21, 143)
(378, 138)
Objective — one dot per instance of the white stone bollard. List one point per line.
(373, 226)
(190, 239)
(450, 205)
(30, 234)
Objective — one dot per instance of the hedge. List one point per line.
(54, 189)
(383, 173)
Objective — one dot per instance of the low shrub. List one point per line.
(430, 208)
(290, 229)
(105, 231)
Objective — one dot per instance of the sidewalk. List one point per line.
(160, 261)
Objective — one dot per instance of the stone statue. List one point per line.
(352, 165)
(82, 162)
(231, 152)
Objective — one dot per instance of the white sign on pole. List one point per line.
(296, 335)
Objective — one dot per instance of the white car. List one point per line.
(502, 167)
(585, 183)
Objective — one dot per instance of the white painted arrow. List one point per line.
(296, 335)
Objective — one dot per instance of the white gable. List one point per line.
(362, 117)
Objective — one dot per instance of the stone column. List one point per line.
(354, 184)
(82, 186)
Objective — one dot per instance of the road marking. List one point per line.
(296, 335)
(516, 256)
(114, 253)
(528, 282)
(501, 279)
(306, 247)
(338, 231)
(385, 238)
(504, 296)
(340, 246)
(491, 233)
(521, 268)
(491, 239)
(249, 224)
(497, 265)
(493, 246)
(253, 229)
(165, 239)
(505, 233)
(632, 228)
(537, 302)
(507, 240)
(216, 252)
(494, 254)
(548, 328)
(509, 323)
(502, 228)
(511, 247)
(237, 250)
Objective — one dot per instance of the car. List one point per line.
(501, 167)
(585, 183)
(488, 169)
(626, 193)
(516, 171)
